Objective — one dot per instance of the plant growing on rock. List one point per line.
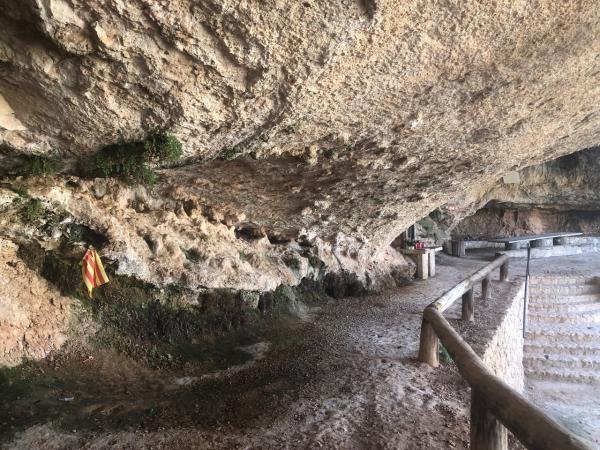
(36, 165)
(445, 356)
(33, 210)
(163, 147)
(129, 160)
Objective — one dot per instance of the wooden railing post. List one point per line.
(429, 345)
(485, 287)
(468, 312)
(504, 271)
(487, 433)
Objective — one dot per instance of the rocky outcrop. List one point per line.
(558, 195)
(349, 121)
(566, 184)
(34, 317)
(167, 235)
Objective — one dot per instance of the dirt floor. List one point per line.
(341, 375)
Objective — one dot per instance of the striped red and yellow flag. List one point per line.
(93, 271)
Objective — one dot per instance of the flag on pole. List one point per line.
(92, 270)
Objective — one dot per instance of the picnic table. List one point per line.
(425, 260)
(536, 240)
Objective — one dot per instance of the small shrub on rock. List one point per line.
(128, 161)
(163, 147)
(36, 165)
(33, 210)
(445, 356)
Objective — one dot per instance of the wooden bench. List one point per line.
(425, 260)
(536, 240)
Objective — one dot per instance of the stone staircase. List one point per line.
(562, 342)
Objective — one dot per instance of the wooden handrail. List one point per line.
(494, 404)
(449, 297)
(532, 426)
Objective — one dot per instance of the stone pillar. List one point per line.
(422, 260)
(458, 248)
(431, 263)
(542, 243)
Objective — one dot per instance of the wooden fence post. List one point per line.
(504, 271)
(485, 287)
(487, 433)
(467, 305)
(429, 345)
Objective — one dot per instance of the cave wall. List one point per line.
(559, 195)
(375, 113)
(495, 221)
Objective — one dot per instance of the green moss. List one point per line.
(445, 357)
(21, 192)
(128, 161)
(36, 165)
(33, 210)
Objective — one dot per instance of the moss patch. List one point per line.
(33, 210)
(36, 165)
(129, 160)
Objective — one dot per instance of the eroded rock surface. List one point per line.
(381, 111)
(34, 317)
(561, 194)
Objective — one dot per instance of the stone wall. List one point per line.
(496, 334)
(504, 353)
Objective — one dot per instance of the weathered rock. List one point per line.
(389, 110)
(34, 317)
(561, 194)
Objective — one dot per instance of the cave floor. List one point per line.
(342, 375)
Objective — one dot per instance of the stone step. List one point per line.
(584, 304)
(562, 333)
(561, 361)
(562, 290)
(541, 347)
(589, 376)
(543, 281)
(572, 317)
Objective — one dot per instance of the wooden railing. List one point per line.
(494, 404)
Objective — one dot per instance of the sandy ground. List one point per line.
(345, 376)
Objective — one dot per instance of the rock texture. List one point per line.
(169, 235)
(363, 116)
(561, 194)
(34, 317)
